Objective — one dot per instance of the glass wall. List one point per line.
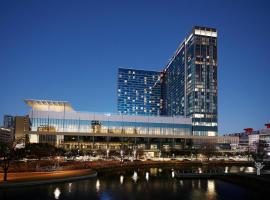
(110, 125)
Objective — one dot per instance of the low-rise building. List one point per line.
(56, 122)
(6, 135)
(265, 140)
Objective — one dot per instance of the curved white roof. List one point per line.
(49, 105)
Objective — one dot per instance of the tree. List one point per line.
(41, 150)
(9, 152)
(5, 154)
(208, 149)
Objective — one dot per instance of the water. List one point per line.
(154, 183)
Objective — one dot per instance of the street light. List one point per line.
(107, 153)
(58, 158)
(134, 153)
(121, 155)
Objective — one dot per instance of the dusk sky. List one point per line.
(71, 50)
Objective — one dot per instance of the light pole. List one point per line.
(107, 153)
(121, 155)
(58, 158)
(134, 154)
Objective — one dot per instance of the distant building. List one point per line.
(251, 140)
(22, 126)
(6, 135)
(8, 121)
(265, 139)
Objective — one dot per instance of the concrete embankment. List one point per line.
(114, 167)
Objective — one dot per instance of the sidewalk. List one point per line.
(34, 178)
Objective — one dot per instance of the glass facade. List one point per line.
(186, 87)
(99, 131)
(190, 81)
(173, 85)
(76, 122)
(138, 92)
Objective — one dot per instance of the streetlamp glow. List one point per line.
(107, 153)
(121, 155)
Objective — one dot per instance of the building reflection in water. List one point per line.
(199, 184)
(211, 189)
(147, 176)
(173, 173)
(135, 176)
(97, 185)
(153, 171)
(121, 179)
(181, 183)
(57, 193)
(69, 187)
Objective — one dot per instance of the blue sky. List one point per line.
(70, 50)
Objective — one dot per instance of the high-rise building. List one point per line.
(138, 92)
(190, 81)
(8, 121)
(187, 86)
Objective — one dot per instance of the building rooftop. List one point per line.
(49, 105)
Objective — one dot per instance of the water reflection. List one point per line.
(105, 196)
(97, 185)
(135, 176)
(57, 193)
(173, 173)
(153, 171)
(121, 179)
(199, 184)
(181, 183)
(69, 187)
(147, 176)
(211, 192)
(136, 185)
